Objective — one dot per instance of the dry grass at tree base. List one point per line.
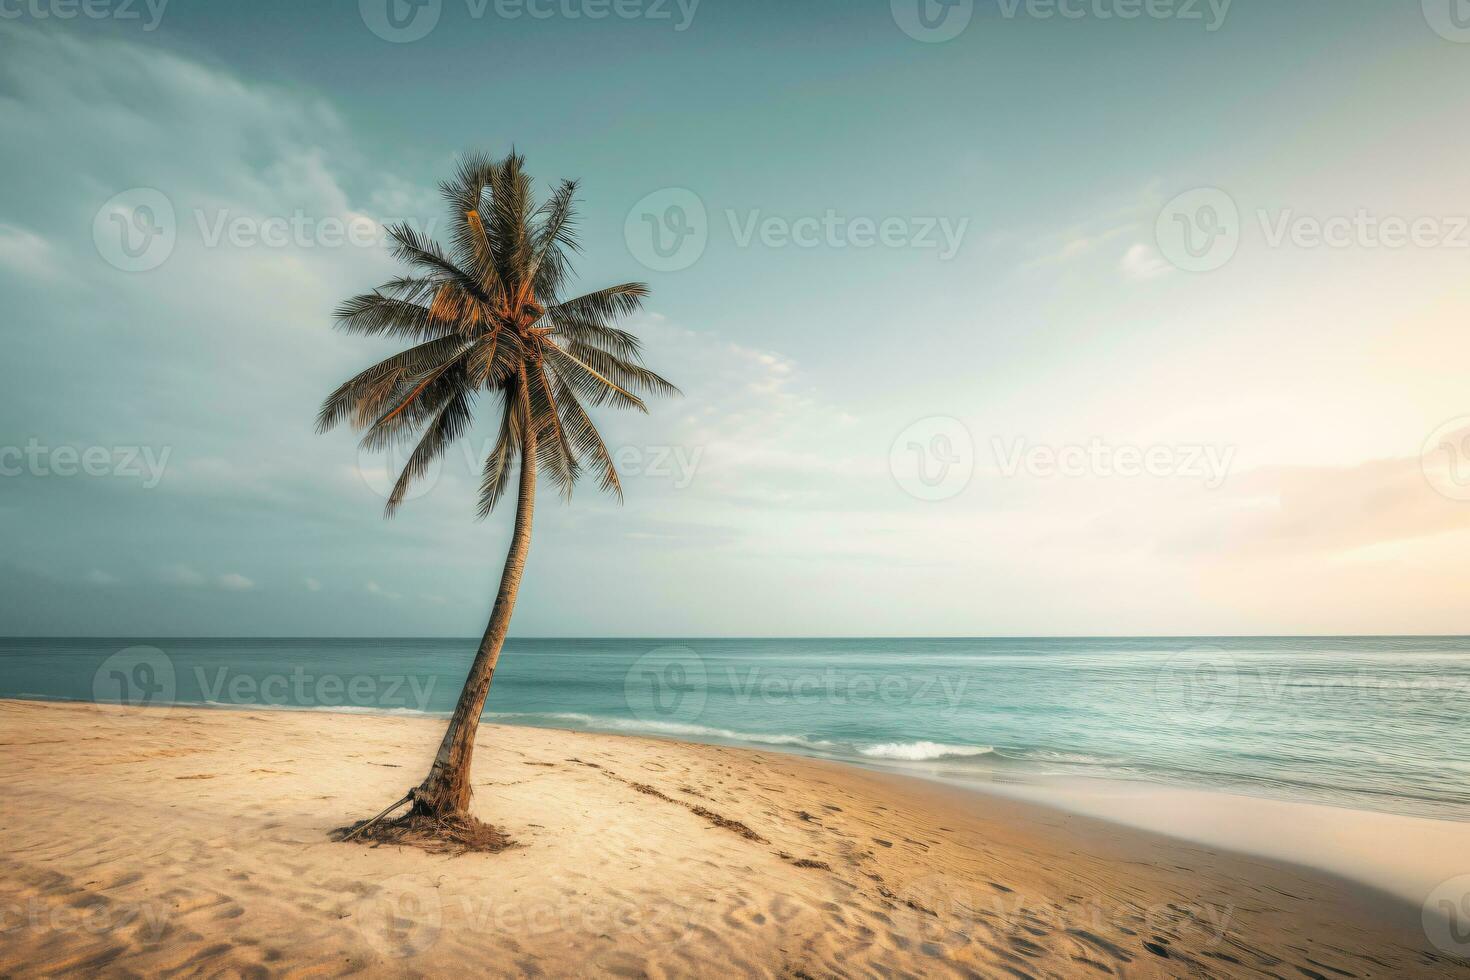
(437, 835)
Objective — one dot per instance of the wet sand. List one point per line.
(162, 841)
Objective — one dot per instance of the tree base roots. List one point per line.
(454, 835)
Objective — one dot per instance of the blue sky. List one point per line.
(926, 271)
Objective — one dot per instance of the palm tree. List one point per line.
(486, 316)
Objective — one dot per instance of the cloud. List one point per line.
(1313, 509)
(312, 585)
(235, 582)
(1142, 263)
(183, 575)
(27, 253)
(373, 588)
(98, 577)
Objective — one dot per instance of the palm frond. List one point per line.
(584, 436)
(422, 252)
(485, 315)
(451, 422)
(589, 383)
(554, 453)
(414, 402)
(628, 373)
(555, 235)
(501, 460)
(602, 306)
(363, 395)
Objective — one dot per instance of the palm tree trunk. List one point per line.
(445, 792)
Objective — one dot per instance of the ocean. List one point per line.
(1367, 723)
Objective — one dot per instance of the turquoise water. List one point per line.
(1375, 723)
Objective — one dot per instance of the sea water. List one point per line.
(1368, 723)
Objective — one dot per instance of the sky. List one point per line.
(994, 317)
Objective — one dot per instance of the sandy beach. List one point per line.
(185, 841)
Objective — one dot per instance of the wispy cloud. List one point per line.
(28, 254)
(1143, 262)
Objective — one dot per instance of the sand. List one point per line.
(183, 841)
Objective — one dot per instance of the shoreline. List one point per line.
(1335, 840)
(145, 839)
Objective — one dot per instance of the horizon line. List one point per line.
(811, 636)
